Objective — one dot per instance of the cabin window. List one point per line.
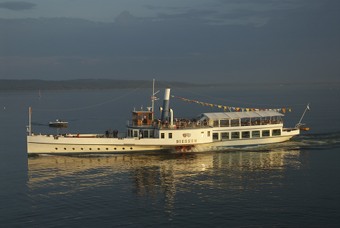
(151, 134)
(162, 135)
(235, 123)
(255, 134)
(265, 133)
(235, 135)
(145, 134)
(135, 133)
(245, 134)
(224, 123)
(276, 119)
(170, 135)
(215, 123)
(215, 136)
(245, 121)
(265, 121)
(276, 132)
(208, 133)
(225, 135)
(255, 121)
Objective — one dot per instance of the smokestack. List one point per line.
(165, 111)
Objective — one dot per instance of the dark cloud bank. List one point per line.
(291, 46)
(17, 6)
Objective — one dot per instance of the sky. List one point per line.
(215, 41)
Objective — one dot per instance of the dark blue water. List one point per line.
(291, 184)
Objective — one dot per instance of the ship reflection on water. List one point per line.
(156, 175)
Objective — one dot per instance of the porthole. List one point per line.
(90, 148)
(56, 148)
(73, 148)
(64, 148)
(115, 148)
(107, 148)
(130, 148)
(98, 148)
(123, 148)
(82, 148)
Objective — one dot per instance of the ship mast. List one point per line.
(29, 127)
(153, 98)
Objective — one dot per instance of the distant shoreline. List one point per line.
(102, 84)
(86, 84)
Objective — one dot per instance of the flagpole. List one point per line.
(153, 99)
(29, 121)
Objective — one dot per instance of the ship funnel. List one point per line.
(166, 108)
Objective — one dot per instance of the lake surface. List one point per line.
(286, 185)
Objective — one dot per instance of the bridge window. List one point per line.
(215, 123)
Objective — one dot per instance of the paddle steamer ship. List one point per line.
(208, 132)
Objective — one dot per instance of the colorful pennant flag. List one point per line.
(232, 109)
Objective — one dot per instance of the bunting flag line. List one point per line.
(231, 108)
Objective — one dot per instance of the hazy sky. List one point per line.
(182, 40)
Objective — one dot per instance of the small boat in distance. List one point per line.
(58, 124)
(207, 132)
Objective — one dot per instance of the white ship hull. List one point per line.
(93, 144)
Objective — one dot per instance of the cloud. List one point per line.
(17, 6)
(126, 18)
(228, 12)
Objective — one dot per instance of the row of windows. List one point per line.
(245, 134)
(141, 133)
(247, 121)
(163, 135)
(90, 149)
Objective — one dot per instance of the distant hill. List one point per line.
(79, 84)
